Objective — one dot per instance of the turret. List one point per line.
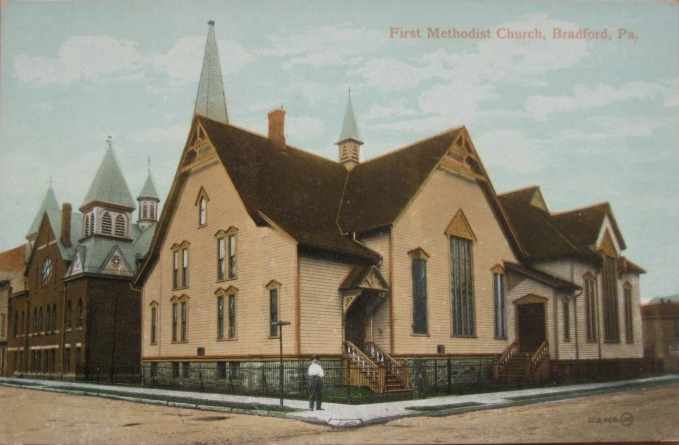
(349, 142)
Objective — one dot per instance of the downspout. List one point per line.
(555, 304)
(598, 316)
(575, 313)
(62, 345)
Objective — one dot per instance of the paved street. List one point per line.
(43, 417)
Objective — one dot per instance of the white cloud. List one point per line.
(391, 74)
(96, 58)
(672, 98)
(511, 150)
(85, 58)
(172, 135)
(328, 45)
(302, 128)
(608, 128)
(398, 108)
(585, 97)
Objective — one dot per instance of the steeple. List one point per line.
(49, 205)
(148, 201)
(211, 101)
(109, 185)
(349, 142)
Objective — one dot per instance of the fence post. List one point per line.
(200, 376)
(448, 369)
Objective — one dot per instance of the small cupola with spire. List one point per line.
(349, 142)
(211, 100)
(148, 200)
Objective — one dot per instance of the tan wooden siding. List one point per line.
(575, 271)
(423, 224)
(321, 305)
(263, 254)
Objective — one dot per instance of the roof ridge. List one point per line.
(578, 209)
(524, 189)
(254, 133)
(412, 144)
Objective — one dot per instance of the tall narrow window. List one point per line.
(154, 323)
(106, 224)
(221, 255)
(220, 316)
(566, 321)
(232, 256)
(462, 287)
(121, 226)
(185, 267)
(273, 312)
(87, 225)
(175, 269)
(232, 316)
(610, 288)
(80, 313)
(69, 314)
(202, 211)
(175, 318)
(184, 320)
(591, 308)
(419, 281)
(15, 322)
(500, 309)
(629, 326)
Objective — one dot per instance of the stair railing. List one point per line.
(505, 357)
(539, 356)
(363, 370)
(395, 367)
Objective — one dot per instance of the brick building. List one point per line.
(78, 314)
(11, 280)
(661, 331)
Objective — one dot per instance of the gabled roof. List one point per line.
(49, 204)
(109, 185)
(210, 100)
(299, 191)
(584, 225)
(149, 189)
(625, 265)
(379, 189)
(537, 232)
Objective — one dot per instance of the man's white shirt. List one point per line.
(315, 370)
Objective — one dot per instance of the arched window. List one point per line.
(121, 226)
(106, 223)
(154, 323)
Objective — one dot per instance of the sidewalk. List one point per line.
(336, 414)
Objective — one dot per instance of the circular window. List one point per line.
(46, 271)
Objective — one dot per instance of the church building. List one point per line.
(376, 264)
(78, 314)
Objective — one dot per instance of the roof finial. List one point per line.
(109, 142)
(51, 181)
(148, 163)
(211, 22)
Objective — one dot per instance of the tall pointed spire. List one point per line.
(211, 101)
(148, 201)
(349, 142)
(49, 205)
(109, 185)
(349, 127)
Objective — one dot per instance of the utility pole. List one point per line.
(280, 325)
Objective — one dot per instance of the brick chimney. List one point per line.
(277, 127)
(66, 225)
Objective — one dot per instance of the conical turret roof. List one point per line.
(210, 100)
(109, 185)
(49, 205)
(349, 127)
(149, 189)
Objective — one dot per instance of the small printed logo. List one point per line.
(624, 419)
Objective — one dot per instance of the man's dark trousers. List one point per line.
(315, 389)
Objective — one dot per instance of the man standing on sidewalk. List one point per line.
(316, 375)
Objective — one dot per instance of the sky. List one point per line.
(589, 120)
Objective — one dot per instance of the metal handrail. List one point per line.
(394, 366)
(539, 355)
(371, 370)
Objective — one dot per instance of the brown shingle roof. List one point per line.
(542, 277)
(536, 231)
(297, 190)
(13, 260)
(379, 189)
(583, 225)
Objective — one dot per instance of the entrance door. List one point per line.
(354, 325)
(531, 319)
